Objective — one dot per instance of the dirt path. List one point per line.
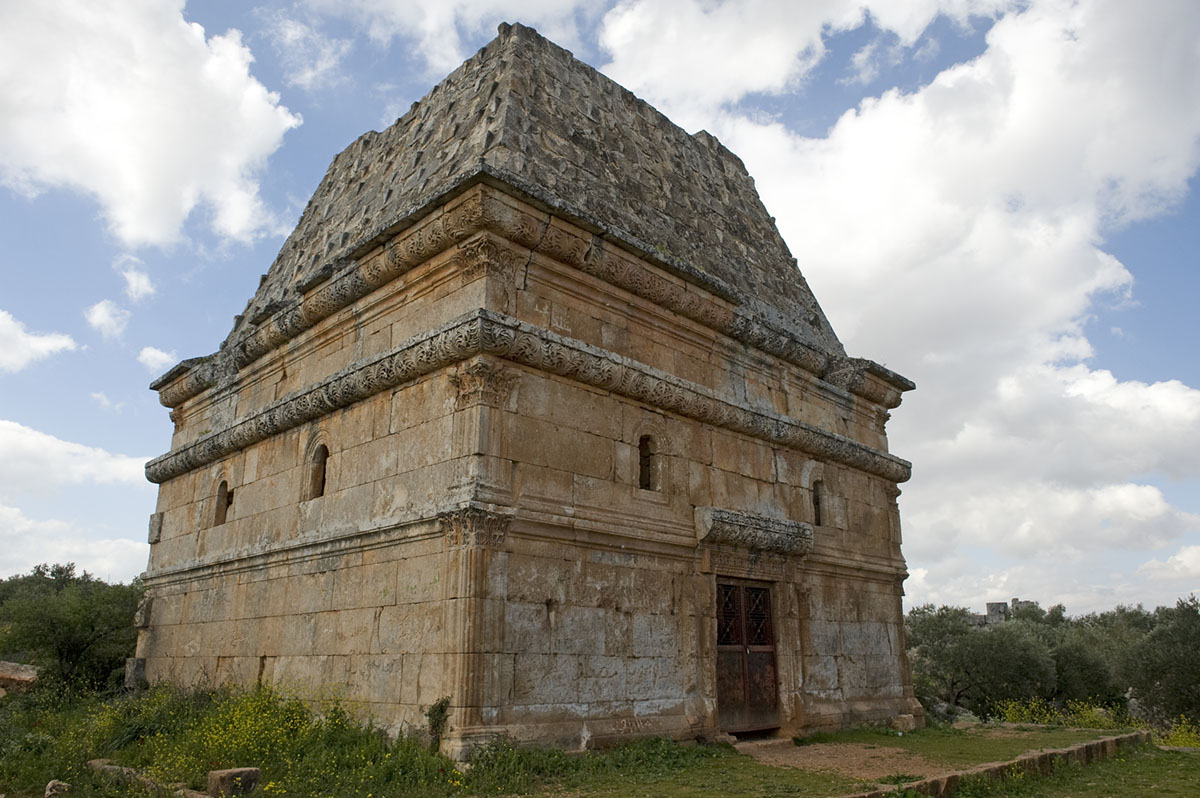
(855, 760)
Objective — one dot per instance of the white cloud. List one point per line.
(35, 461)
(866, 64)
(126, 101)
(26, 542)
(689, 58)
(1182, 565)
(311, 59)
(101, 398)
(437, 30)
(955, 233)
(138, 285)
(107, 318)
(19, 348)
(37, 467)
(156, 360)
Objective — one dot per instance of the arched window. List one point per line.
(316, 472)
(224, 503)
(647, 468)
(818, 488)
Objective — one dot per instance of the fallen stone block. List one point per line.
(234, 781)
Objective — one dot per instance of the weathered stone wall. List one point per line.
(523, 110)
(483, 533)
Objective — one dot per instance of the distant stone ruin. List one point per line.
(535, 410)
(999, 612)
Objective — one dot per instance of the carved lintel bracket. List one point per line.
(720, 526)
(475, 525)
(483, 381)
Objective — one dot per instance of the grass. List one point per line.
(956, 749)
(177, 736)
(721, 773)
(1144, 771)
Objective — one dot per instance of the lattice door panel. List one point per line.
(747, 692)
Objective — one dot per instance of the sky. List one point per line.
(996, 199)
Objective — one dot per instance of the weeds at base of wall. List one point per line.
(437, 716)
(178, 735)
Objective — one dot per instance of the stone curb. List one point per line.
(1039, 762)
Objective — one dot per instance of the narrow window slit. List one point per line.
(224, 503)
(817, 488)
(647, 473)
(316, 473)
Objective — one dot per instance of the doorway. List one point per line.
(747, 691)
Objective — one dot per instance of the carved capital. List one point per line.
(483, 255)
(483, 381)
(756, 532)
(473, 525)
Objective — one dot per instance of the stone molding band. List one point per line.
(755, 532)
(485, 332)
(482, 210)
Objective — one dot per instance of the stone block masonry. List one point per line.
(534, 410)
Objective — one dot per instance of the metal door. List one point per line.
(746, 684)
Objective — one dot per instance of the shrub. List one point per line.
(1181, 732)
(1167, 660)
(79, 629)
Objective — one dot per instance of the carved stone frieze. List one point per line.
(482, 381)
(488, 332)
(474, 525)
(485, 209)
(715, 525)
(743, 563)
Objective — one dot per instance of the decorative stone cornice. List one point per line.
(868, 379)
(475, 525)
(755, 532)
(491, 333)
(481, 381)
(484, 208)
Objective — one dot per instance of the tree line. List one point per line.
(76, 628)
(1146, 663)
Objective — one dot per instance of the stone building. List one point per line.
(534, 410)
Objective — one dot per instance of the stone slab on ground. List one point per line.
(234, 781)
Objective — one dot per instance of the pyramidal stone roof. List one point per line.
(525, 113)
